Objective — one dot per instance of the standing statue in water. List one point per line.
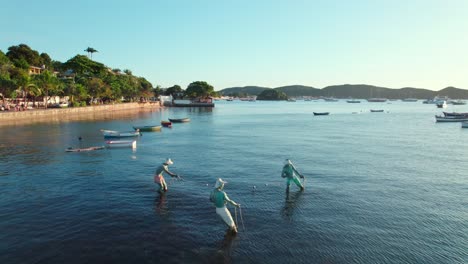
(291, 174)
(158, 176)
(220, 199)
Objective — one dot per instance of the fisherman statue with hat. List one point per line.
(220, 199)
(158, 176)
(291, 174)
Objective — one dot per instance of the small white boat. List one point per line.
(119, 134)
(465, 124)
(121, 144)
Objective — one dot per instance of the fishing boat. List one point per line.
(376, 110)
(121, 143)
(321, 113)
(179, 120)
(147, 128)
(455, 114)
(166, 123)
(451, 118)
(409, 100)
(377, 100)
(84, 149)
(119, 134)
(464, 124)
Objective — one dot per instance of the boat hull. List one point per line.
(118, 134)
(84, 149)
(321, 113)
(147, 128)
(121, 143)
(179, 120)
(451, 118)
(166, 124)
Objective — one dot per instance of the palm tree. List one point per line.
(90, 52)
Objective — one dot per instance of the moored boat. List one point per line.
(464, 125)
(321, 113)
(119, 134)
(458, 102)
(179, 120)
(147, 128)
(451, 118)
(377, 100)
(441, 104)
(83, 149)
(166, 123)
(376, 110)
(121, 143)
(353, 101)
(455, 114)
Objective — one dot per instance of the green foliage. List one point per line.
(84, 66)
(173, 90)
(199, 89)
(272, 94)
(243, 91)
(22, 54)
(3, 58)
(80, 77)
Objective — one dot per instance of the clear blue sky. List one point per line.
(391, 43)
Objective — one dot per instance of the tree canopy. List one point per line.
(199, 89)
(80, 77)
(272, 94)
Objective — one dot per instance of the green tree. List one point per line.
(272, 94)
(46, 60)
(47, 82)
(23, 53)
(199, 89)
(174, 90)
(84, 66)
(90, 52)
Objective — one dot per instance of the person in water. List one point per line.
(291, 174)
(158, 176)
(220, 199)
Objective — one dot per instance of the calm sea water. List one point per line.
(386, 187)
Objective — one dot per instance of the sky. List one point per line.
(269, 43)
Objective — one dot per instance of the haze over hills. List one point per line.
(361, 91)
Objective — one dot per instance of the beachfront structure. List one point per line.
(33, 70)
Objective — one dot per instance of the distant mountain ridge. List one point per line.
(362, 91)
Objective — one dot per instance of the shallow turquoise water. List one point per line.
(381, 187)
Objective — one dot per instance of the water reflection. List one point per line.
(200, 109)
(224, 254)
(292, 201)
(160, 205)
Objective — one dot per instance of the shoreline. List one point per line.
(57, 115)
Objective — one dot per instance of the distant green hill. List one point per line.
(243, 91)
(361, 91)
